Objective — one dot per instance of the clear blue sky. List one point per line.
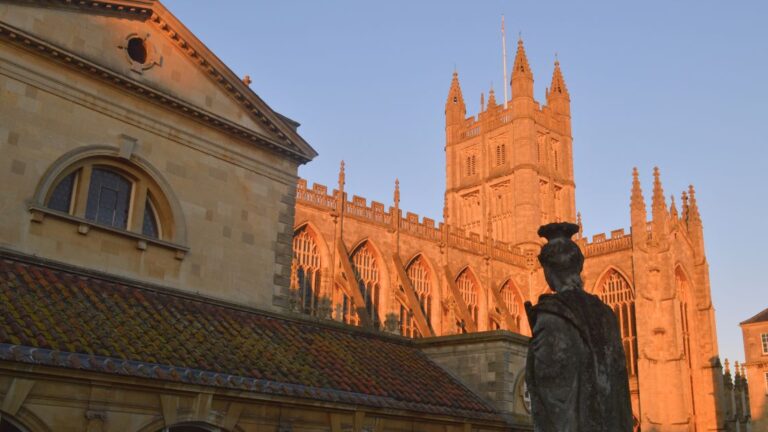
(678, 84)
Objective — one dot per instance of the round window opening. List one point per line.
(137, 50)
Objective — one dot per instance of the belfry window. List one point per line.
(501, 154)
(112, 193)
(471, 165)
(616, 293)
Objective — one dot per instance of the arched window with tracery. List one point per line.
(418, 273)
(615, 292)
(305, 280)
(467, 286)
(368, 277)
(512, 301)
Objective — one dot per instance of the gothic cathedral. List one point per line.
(509, 169)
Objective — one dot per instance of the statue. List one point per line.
(576, 371)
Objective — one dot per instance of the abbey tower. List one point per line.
(510, 169)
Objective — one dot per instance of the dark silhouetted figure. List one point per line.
(576, 371)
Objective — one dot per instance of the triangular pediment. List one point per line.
(141, 46)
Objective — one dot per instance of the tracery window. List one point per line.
(512, 301)
(616, 293)
(468, 288)
(113, 193)
(366, 269)
(418, 273)
(306, 267)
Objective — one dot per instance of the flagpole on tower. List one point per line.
(505, 83)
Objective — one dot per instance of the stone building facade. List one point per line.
(147, 200)
(509, 169)
(754, 371)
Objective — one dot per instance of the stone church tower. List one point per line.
(509, 171)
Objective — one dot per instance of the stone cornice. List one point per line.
(286, 141)
(141, 9)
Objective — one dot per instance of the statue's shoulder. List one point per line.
(555, 304)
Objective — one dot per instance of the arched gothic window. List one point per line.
(512, 301)
(418, 273)
(113, 193)
(616, 293)
(467, 286)
(305, 280)
(366, 269)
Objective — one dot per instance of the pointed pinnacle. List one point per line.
(558, 82)
(638, 201)
(672, 207)
(397, 191)
(342, 176)
(694, 207)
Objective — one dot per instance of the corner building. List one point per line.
(147, 199)
(509, 170)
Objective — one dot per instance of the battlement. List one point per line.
(619, 240)
(411, 224)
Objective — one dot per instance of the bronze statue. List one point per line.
(576, 371)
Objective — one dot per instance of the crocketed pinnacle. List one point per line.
(659, 204)
(638, 201)
(557, 87)
(491, 98)
(521, 62)
(693, 212)
(454, 93)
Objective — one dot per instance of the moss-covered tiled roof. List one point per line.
(57, 316)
